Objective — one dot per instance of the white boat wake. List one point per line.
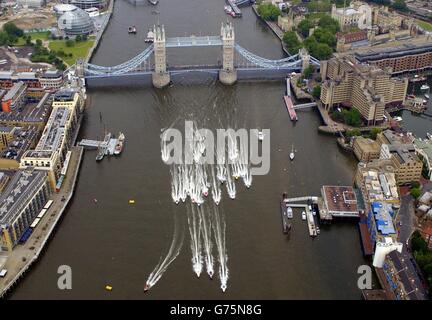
(194, 221)
(173, 252)
(206, 223)
(206, 235)
(219, 235)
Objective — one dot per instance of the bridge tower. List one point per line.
(228, 74)
(305, 57)
(160, 76)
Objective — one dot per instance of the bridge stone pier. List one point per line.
(228, 74)
(160, 75)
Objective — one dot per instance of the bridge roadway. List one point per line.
(193, 41)
(143, 78)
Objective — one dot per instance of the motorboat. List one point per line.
(292, 155)
(150, 37)
(120, 142)
(153, 2)
(427, 96)
(146, 287)
(398, 119)
(424, 87)
(303, 215)
(429, 136)
(132, 30)
(260, 136)
(289, 212)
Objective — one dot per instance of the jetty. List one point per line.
(311, 219)
(288, 101)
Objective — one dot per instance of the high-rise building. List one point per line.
(365, 87)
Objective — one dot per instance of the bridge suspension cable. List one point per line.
(267, 63)
(123, 67)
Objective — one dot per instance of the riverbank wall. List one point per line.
(99, 35)
(273, 27)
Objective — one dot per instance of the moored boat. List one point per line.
(120, 142)
(289, 212)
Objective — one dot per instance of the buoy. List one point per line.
(131, 201)
(108, 288)
(95, 200)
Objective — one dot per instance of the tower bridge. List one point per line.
(234, 58)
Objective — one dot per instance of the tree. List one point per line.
(84, 37)
(267, 11)
(417, 243)
(316, 92)
(12, 30)
(399, 5)
(304, 26)
(38, 43)
(308, 72)
(4, 38)
(328, 23)
(292, 42)
(325, 36)
(374, 132)
(78, 38)
(353, 133)
(415, 193)
(352, 117)
(69, 43)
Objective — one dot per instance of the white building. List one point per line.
(358, 14)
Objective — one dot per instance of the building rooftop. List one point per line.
(368, 145)
(380, 185)
(393, 52)
(24, 137)
(425, 146)
(14, 90)
(18, 192)
(51, 74)
(64, 95)
(31, 112)
(54, 130)
(407, 274)
(340, 200)
(383, 213)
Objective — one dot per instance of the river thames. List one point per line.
(114, 243)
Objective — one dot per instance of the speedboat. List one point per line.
(424, 87)
(398, 119)
(429, 136)
(292, 155)
(146, 287)
(260, 136)
(132, 30)
(290, 212)
(153, 2)
(303, 215)
(150, 37)
(427, 96)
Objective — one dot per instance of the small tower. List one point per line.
(160, 76)
(305, 57)
(228, 74)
